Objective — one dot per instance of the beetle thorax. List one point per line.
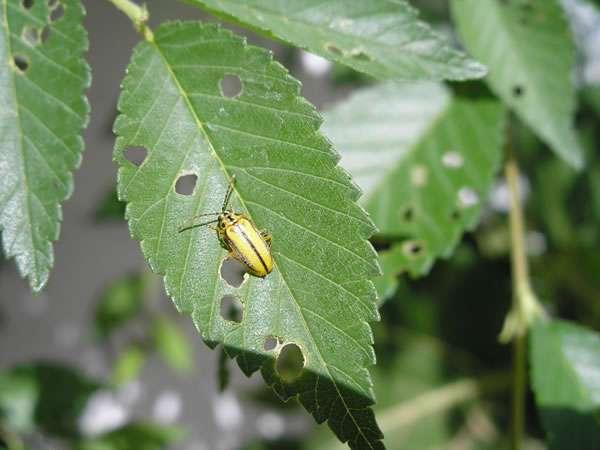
(228, 218)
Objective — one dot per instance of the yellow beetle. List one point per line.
(245, 243)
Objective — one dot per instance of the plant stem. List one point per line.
(525, 307)
(137, 14)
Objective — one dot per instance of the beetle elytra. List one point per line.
(246, 244)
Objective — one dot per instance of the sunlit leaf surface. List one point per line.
(382, 38)
(206, 106)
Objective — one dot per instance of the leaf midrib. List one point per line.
(240, 198)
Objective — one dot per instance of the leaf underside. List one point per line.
(565, 363)
(425, 159)
(318, 295)
(42, 80)
(383, 38)
(529, 51)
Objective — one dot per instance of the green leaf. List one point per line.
(147, 436)
(318, 295)
(529, 51)
(111, 208)
(383, 38)
(414, 151)
(42, 112)
(121, 301)
(391, 261)
(128, 364)
(49, 395)
(565, 362)
(172, 345)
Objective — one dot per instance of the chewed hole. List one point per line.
(467, 197)
(418, 175)
(452, 160)
(413, 249)
(270, 343)
(233, 272)
(57, 13)
(27, 4)
(52, 3)
(21, 61)
(231, 85)
(290, 362)
(518, 90)
(334, 49)
(135, 154)
(45, 34)
(31, 35)
(408, 214)
(361, 55)
(185, 184)
(231, 309)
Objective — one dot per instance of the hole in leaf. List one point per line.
(452, 160)
(334, 49)
(408, 214)
(231, 309)
(518, 91)
(52, 3)
(27, 4)
(233, 272)
(270, 343)
(57, 13)
(413, 249)
(21, 61)
(185, 184)
(231, 85)
(135, 154)
(467, 197)
(360, 55)
(418, 175)
(45, 34)
(290, 362)
(31, 35)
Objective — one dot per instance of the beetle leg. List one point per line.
(233, 255)
(267, 237)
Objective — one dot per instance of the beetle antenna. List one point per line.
(228, 192)
(195, 217)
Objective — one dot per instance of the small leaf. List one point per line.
(318, 296)
(147, 436)
(128, 364)
(382, 38)
(529, 52)
(172, 345)
(49, 395)
(425, 172)
(42, 112)
(110, 208)
(120, 302)
(391, 260)
(565, 362)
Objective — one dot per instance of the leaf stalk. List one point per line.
(139, 15)
(525, 305)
